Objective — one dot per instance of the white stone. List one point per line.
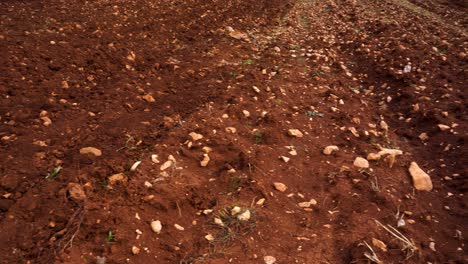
(156, 226)
(179, 227)
(269, 259)
(360, 162)
(328, 150)
(421, 180)
(280, 186)
(295, 133)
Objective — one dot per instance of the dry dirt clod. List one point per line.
(46, 121)
(421, 180)
(423, 136)
(231, 130)
(148, 98)
(116, 178)
(361, 163)
(90, 150)
(239, 35)
(65, 85)
(295, 133)
(328, 150)
(269, 259)
(195, 136)
(280, 186)
(156, 226)
(205, 161)
(76, 191)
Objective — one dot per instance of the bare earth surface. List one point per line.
(205, 93)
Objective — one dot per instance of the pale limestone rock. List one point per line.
(421, 180)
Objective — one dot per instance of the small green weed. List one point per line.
(248, 62)
(54, 173)
(110, 237)
(314, 114)
(259, 138)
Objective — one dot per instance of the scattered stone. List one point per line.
(354, 131)
(148, 184)
(432, 246)
(421, 180)
(261, 201)
(384, 125)
(379, 244)
(166, 165)
(236, 210)
(207, 211)
(218, 221)
(46, 121)
(255, 88)
(423, 136)
(239, 35)
(246, 113)
(390, 155)
(443, 127)
(245, 216)
(231, 130)
(76, 191)
(285, 159)
(179, 227)
(195, 136)
(154, 158)
(328, 150)
(269, 259)
(280, 186)
(295, 133)
(65, 85)
(156, 226)
(148, 98)
(116, 178)
(135, 165)
(360, 162)
(90, 150)
(209, 237)
(135, 250)
(205, 161)
(101, 260)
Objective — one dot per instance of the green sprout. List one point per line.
(314, 113)
(110, 237)
(54, 173)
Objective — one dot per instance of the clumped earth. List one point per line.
(241, 131)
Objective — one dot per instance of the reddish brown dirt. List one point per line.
(320, 67)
